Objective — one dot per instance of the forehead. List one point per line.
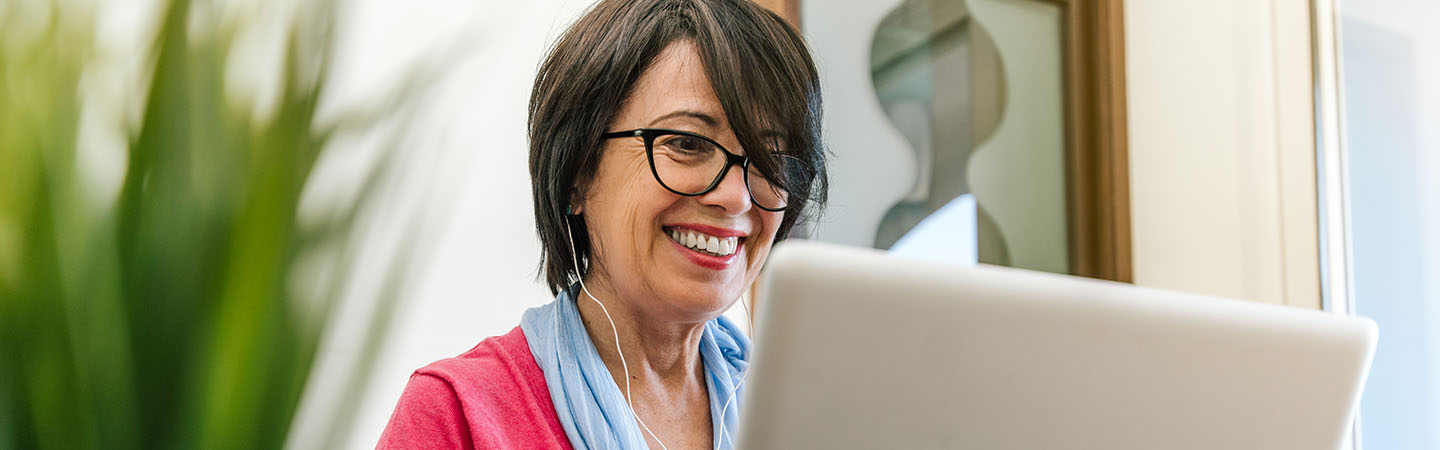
(675, 81)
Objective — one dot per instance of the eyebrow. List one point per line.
(709, 120)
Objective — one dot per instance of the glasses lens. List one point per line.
(686, 164)
(775, 195)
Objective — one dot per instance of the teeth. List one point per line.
(705, 243)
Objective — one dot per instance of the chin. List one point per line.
(707, 300)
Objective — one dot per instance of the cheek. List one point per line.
(770, 224)
(630, 196)
(617, 211)
(638, 206)
(638, 210)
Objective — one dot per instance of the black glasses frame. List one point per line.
(731, 159)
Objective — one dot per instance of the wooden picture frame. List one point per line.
(1096, 135)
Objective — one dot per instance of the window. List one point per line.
(1390, 58)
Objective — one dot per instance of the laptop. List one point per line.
(857, 349)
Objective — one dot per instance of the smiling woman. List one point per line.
(672, 143)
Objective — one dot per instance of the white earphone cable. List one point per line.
(574, 261)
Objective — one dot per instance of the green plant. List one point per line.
(165, 317)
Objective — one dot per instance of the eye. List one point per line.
(686, 144)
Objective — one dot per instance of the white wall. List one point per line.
(1222, 161)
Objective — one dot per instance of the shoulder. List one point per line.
(501, 363)
(492, 395)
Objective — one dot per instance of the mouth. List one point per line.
(715, 242)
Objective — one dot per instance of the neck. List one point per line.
(658, 353)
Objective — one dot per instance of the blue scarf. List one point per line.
(590, 404)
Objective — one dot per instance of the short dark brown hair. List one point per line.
(757, 63)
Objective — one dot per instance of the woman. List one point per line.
(672, 142)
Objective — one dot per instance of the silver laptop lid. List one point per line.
(856, 349)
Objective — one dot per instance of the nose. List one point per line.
(731, 196)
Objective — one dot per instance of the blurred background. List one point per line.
(243, 223)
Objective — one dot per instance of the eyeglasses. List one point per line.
(693, 165)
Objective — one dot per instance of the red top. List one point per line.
(493, 396)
